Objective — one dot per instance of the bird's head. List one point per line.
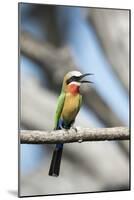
(73, 80)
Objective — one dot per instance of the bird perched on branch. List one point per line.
(69, 104)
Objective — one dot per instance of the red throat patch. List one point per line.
(73, 88)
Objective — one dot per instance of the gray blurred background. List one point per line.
(54, 40)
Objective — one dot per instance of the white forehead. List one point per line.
(74, 73)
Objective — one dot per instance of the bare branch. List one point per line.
(82, 135)
(58, 61)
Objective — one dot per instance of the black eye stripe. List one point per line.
(73, 78)
(69, 80)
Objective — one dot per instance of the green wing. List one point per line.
(60, 105)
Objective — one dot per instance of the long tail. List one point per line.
(56, 160)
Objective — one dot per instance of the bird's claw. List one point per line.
(74, 128)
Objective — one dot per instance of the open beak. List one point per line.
(84, 81)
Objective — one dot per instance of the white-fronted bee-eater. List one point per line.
(69, 103)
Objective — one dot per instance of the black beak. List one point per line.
(84, 81)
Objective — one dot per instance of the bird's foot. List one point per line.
(61, 127)
(64, 129)
(74, 128)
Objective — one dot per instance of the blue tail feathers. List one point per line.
(59, 146)
(57, 153)
(56, 160)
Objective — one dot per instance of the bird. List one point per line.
(68, 106)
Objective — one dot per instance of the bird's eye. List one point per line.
(73, 78)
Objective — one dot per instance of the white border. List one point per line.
(8, 99)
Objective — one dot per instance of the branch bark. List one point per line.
(57, 62)
(69, 136)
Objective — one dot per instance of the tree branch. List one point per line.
(82, 135)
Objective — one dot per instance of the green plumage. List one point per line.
(60, 105)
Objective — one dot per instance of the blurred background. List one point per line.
(54, 40)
